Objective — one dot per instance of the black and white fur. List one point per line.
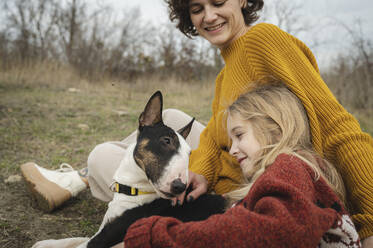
(163, 155)
(158, 163)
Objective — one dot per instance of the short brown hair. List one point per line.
(179, 10)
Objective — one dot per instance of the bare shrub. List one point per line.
(30, 28)
(351, 77)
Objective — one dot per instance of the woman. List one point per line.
(252, 53)
(255, 52)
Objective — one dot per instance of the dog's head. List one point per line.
(160, 152)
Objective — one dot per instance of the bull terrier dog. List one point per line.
(154, 170)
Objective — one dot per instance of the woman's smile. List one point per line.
(215, 28)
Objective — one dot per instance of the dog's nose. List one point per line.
(177, 186)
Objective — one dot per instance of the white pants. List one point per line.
(105, 158)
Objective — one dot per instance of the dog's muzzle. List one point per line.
(177, 186)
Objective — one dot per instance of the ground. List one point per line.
(22, 223)
(55, 123)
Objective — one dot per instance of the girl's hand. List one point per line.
(368, 242)
(198, 185)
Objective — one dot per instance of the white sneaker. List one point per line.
(51, 188)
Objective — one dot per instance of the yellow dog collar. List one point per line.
(127, 190)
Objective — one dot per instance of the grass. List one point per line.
(49, 115)
(54, 119)
(53, 124)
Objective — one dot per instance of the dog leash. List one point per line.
(127, 190)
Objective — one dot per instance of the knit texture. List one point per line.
(336, 135)
(286, 207)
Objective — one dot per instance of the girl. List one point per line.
(292, 197)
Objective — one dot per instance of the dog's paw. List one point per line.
(60, 243)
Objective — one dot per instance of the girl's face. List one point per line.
(244, 144)
(218, 21)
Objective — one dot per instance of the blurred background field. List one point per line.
(51, 117)
(71, 78)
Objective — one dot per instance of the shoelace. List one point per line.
(65, 167)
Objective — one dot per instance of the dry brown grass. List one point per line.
(42, 109)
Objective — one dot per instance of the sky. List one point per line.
(333, 38)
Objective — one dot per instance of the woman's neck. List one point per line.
(235, 45)
(239, 34)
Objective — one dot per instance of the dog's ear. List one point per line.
(186, 130)
(153, 111)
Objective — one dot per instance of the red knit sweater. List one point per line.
(285, 207)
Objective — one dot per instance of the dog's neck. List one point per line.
(130, 174)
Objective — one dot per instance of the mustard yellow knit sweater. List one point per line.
(267, 50)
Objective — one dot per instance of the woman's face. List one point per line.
(244, 144)
(218, 21)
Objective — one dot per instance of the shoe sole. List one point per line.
(48, 195)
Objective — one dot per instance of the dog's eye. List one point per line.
(166, 140)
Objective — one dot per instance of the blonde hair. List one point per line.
(280, 125)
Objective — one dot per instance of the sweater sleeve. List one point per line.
(210, 159)
(205, 159)
(336, 134)
(279, 211)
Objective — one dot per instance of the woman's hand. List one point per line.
(198, 184)
(368, 242)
